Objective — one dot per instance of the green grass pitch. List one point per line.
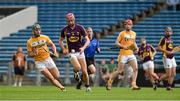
(98, 93)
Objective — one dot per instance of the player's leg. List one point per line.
(49, 76)
(149, 70)
(16, 76)
(153, 77)
(74, 61)
(173, 70)
(128, 72)
(92, 69)
(153, 74)
(168, 73)
(164, 76)
(85, 77)
(173, 74)
(134, 65)
(21, 74)
(53, 69)
(42, 66)
(114, 74)
(91, 72)
(168, 64)
(55, 73)
(15, 81)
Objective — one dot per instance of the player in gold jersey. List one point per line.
(37, 48)
(126, 42)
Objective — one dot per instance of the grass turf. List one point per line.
(98, 93)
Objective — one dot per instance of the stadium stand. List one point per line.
(97, 15)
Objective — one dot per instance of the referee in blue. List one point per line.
(90, 51)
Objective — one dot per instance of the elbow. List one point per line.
(117, 44)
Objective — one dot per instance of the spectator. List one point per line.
(104, 71)
(19, 64)
(112, 65)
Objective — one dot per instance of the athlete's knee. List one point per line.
(151, 73)
(173, 74)
(92, 69)
(168, 75)
(135, 69)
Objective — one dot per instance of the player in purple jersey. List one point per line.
(73, 34)
(166, 46)
(146, 53)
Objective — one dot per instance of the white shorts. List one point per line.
(124, 59)
(47, 63)
(169, 63)
(77, 55)
(148, 65)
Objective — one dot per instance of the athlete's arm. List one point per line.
(118, 44)
(85, 45)
(65, 51)
(135, 47)
(32, 52)
(98, 48)
(153, 51)
(53, 47)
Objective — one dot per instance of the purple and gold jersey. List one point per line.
(167, 44)
(146, 52)
(73, 37)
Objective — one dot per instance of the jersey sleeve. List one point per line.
(62, 33)
(162, 42)
(152, 48)
(29, 48)
(119, 38)
(48, 40)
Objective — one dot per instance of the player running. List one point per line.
(146, 53)
(37, 48)
(73, 34)
(126, 42)
(89, 54)
(166, 46)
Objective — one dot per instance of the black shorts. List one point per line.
(90, 61)
(19, 71)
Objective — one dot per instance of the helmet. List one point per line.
(128, 22)
(36, 26)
